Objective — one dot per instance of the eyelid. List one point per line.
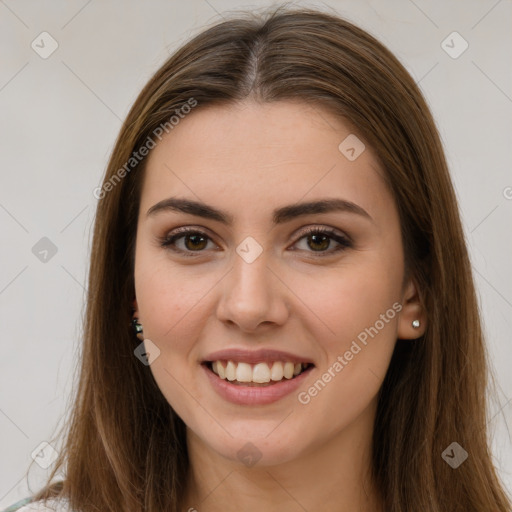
(343, 240)
(324, 229)
(168, 239)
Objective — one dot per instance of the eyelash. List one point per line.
(168, 241)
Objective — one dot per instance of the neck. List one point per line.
(333, 476)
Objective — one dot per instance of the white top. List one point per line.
(52, 506)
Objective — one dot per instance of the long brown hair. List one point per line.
(125, 447)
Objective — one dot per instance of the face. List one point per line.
(228, 274)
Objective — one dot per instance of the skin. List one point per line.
(248, 159)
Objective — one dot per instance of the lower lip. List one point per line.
(254, 395)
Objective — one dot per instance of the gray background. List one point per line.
(59, 120)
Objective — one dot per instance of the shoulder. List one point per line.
(26, 505)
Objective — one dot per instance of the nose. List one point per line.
(253, 294)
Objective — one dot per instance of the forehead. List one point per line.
(253, 154)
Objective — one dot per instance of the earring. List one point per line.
(137, 328)
(415, 323)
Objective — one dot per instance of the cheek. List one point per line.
(168, 299)
(356, 317)
(175, 305)
(357, 349)
(171, 305)
(345, 301)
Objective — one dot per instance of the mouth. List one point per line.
(262, 374)
(255, 377)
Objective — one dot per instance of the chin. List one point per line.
(250, 448)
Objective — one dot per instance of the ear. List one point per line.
(412, 309)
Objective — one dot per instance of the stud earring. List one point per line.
(416, 324)
(137, 328)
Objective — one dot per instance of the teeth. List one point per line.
(288, 370)
(244, 372)
(260, 373)
(219, 370)
(277, 371)
(230, 371)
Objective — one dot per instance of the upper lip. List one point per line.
(255, 356)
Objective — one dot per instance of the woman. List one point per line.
(281, 313)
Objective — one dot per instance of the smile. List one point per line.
(248, 391)
(259, 374)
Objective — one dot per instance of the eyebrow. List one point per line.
(280, 215)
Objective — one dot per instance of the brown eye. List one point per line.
(319, 240)
(193, 241)
(197, 241)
